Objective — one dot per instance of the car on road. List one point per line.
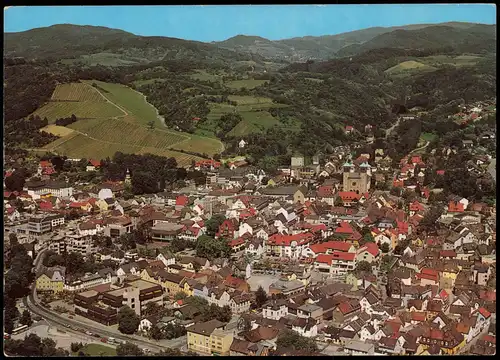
(71, 317)
(96, 335)
(67, 325)
(88, 333)
(104, 340)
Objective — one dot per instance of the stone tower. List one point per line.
(356, 179)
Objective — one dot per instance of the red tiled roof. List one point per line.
(484, 312)
(349, 195)
(455, 207)
(348, 127)
(95, 163)
(448, 253)
(181, 200)
(440, 172)
(45, 163)
(372, 248)
(343, 256)
(330, 245)
(286, 240)
(416, 206)
(418, 316)
(324, 259)
(236, 242)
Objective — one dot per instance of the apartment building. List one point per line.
(343, 262)
(42, 224)
(199, 337)
(103, 307)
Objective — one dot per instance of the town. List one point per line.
(342, 253)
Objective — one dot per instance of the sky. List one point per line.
(216, 23)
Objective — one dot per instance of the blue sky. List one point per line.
(215, 23)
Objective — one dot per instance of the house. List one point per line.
(199, 336)
(368, 252)
(354, 347)
(275, 309)
(242, 144)
(349, 129)
(246, 348)
(93, 165)
(306, 327)
(51, 280)
(148, 322)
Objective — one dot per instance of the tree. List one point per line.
(211, 248)
(170, 352)
(75, 347)
(128, 320)
(213, 224)
(16, 181)
(26, 318)
(128, 349)
(384, 248)
(151, 309)
(364, 266)
(260, 297)
(180, 295)
(338, 201)
(431, 217)
(292, 339)
(155, 332)
(367, 238)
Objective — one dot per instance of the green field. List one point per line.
(409, 66)
(76, 92)
(428, 136)
(462, 60)
(204, 76)
(253, 122)
(147, 82)
(97, 350)
(82, 110)
(124, 130)
(248, 84)
(131, 101)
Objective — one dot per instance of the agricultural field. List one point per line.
(148, 81)
(101, 134)
(57, 130)
(200, 145)
(202, 75)
(408, 66)
(123, 132)
(253, 122)
(133, 102)
(76, 92)
(82, 109)
(462, 60)
(248, 84)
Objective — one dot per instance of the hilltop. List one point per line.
(92, 45)
(355, 42)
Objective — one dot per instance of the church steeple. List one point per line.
(127, 178)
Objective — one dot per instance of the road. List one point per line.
(492, 169)
(56, 319)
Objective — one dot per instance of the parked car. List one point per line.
(71, 317)
(88, 333)
(96, 335)
(104, 340)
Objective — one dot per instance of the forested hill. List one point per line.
(68, 41)
(355, 42)
(475, 39)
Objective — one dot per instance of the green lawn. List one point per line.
(428, 136)
(204, 76)
(97, 350)
(248, 84)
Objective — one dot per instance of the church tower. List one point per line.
(128, 180)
